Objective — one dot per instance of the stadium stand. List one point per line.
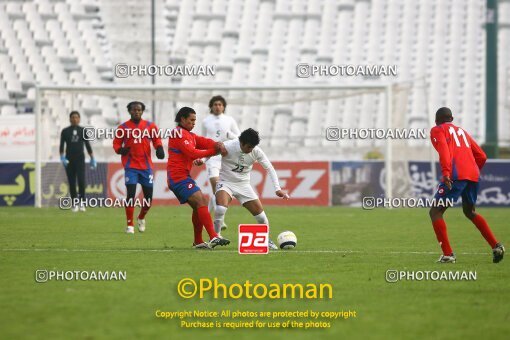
(77, 42)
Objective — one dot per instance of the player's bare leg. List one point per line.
(497, 248)
(436, 215)
(223, 200)
(198, 203)
(256, 209)
(147, 194)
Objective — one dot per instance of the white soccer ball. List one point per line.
(287, 240)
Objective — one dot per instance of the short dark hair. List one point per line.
(215, 99)
(443, 115)
(135, 103)
(74, 113)
(184, 112)
(249, 136)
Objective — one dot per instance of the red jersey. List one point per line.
(459, 155)
(183, 151)
(138, 138)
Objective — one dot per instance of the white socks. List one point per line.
(262, 218)
(219, 216)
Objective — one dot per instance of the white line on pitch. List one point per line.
(226, 251)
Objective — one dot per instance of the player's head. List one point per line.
(443, 115)
(186, 118)
(217, 105)
(249, 139)
(74, 118)
(136, 109)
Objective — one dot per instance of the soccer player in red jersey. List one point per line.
(461, 160)
(133, 141)
(183, 148)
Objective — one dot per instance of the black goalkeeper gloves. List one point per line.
(160, 153)
(124, 151)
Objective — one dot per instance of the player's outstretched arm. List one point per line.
(282, 194)
(221, 149)
(189, 151)
(204, 143)
(198, 162)
(266, 164)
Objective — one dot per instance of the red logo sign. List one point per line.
(253, 239)
(306, 182)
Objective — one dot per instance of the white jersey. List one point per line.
(220, 128)
(236, 165)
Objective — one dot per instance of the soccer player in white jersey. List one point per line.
(219, 127)
(234, 180)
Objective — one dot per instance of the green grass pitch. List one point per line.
(347, 247)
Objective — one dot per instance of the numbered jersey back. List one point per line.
(461, 149)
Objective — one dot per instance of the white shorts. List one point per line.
(243, 192)
(213, 166)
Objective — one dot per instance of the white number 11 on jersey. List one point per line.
(460, 132)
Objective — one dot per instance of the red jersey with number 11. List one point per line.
(459, 155)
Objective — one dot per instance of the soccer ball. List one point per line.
(287, 240)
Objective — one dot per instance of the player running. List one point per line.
(219, 127)
(133, 143)
(183, 149)
(234, 180)
(461, 160)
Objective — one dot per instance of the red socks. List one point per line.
(197, 228)
(129, 215)
(143, 212)
(478, 221)
(442, 236)
(484, 229)
(206, 220)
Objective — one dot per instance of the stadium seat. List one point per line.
(4, 95)
(35, 23)
(261, 41)
(14, 10)
(99, 121)
(59, 42)
(31, 94)
(12, 83)
(8, 110)
(45, 9)
(280, 128)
